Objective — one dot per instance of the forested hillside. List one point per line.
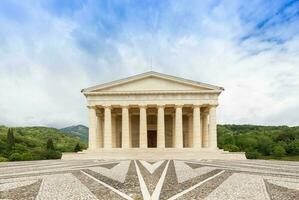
(265, 142)
(79, 131)
(35, 143)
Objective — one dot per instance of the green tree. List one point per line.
(53, 155)
(15, 157)
(252, 155)
(10, 140)
(3, 159)
(278, 151)
(27, 156)
(77, 147)
(265, 144)
(50, 145)
(293, 147)
(231, 148)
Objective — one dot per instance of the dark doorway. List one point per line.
(152, 139)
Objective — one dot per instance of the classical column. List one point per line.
(107, 128)
(113, 129)
(143, 128)
(173, 130)
(190, 130)
(178, 126)
(212, 128)
(99, 140)
(92, 144)
(196, 127)
(125, 139)
(161, 127)
(205, 129)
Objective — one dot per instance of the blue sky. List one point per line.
(50, 50)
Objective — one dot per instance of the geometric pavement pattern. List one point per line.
(143, 179)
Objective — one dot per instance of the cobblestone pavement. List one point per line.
(159, 179)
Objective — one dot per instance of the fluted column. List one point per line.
(212, 128)
(92, 144)
(196, 127)
(173, 130)
(178, 127)
(190, 130)
(99, 132)
(143, 128)
(161, 128)
(107, 128)
(125, 139)
(205, 129)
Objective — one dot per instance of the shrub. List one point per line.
(293, 147)
(3, 159)
(265, 144)
(252, 154)
(53, 155)
(38, 154)
(15, 157)
(231, 148)
(27, 156)
(77, 147)
(278, 151)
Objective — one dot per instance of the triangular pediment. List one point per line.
(151, 81)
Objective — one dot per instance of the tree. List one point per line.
(231, 148)
(77, 147)
(15, 157)
(279, 151)
(293, 147)
(50, 145)
(10, 140)
(252, 154)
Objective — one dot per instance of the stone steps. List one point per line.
(154, 154)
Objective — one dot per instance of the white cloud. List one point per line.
(47, 59)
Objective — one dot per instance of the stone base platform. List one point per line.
(154, 154)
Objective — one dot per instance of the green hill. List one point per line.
(31, 142)
(79, 131)
(264, 142)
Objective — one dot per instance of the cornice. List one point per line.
(152, 92)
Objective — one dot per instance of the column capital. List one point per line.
(125, 106)
(196, 105)
(178, 105)
(142, 105)
(106, 106)
(160, 105)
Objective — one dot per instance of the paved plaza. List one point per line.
(159, 179)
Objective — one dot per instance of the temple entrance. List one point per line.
(152, 139)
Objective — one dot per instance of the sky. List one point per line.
(50, 50)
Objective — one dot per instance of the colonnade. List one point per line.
(202, 126)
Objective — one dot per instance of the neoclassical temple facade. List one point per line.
(152, 110)
(152, 116)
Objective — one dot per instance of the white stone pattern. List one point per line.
(118, 172)
(63, 186)
(239, 180)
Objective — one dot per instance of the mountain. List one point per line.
(80, 131)
(31, 142)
